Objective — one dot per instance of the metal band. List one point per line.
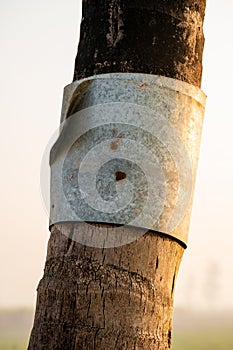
(127, 152)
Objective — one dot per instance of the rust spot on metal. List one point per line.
(114, 145)
(120, 175)
(114, 132)
(144, 85)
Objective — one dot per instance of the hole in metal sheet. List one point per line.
(120, 175)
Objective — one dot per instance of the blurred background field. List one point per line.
(202, 330)
(15, 326)
(191, 331)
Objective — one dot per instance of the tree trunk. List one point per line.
(120, 298)
(142, 36)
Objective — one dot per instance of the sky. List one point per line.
(38, 41)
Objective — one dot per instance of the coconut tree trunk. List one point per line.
(122, 297)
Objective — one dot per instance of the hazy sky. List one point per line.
(38, 47)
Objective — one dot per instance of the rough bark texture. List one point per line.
(120, 298)
(143, 36)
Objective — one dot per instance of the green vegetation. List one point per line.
(219, 339)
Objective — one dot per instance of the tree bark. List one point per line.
(142, 36)
(120, 298)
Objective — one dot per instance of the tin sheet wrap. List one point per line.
(127, 152)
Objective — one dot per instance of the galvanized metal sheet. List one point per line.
(127, 154)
